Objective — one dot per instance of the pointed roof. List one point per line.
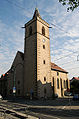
(36, 13)
(57, 68)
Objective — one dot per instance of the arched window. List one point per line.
(57, 83)
(30, 30)
(44, 78)
(43, 31)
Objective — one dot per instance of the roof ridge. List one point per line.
(56, 67)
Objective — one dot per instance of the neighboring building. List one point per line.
(74, 85)
(3, 85)
(60, 80)
(15, 77)
(32, 73)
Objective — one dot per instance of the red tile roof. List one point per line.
(57, 68)
(77, 78)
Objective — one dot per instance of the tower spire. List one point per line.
(36, 13)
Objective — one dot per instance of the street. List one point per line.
(44, 109)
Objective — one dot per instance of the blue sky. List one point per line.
(64, 36)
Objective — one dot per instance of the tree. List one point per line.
(74, 86)
(71, 3)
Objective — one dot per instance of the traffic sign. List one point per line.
(14, 89)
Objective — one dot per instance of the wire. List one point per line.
(66, 56)
(72, 68)
(66, 63)
(59, 28)
(62, 48)
(16, 4)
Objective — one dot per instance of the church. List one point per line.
(32, 73)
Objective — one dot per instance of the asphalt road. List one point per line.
(47, 109)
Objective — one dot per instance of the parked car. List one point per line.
(76, 97)
(1, 97)
(67, 93)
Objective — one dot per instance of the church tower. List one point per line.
(37, 62)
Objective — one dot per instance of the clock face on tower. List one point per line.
(43, 40)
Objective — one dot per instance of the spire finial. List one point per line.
(36, 3)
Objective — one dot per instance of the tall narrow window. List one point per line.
(18, 82)
(44, 78)
(43, 31)
(67, 84)
(43, 46)
(57, 73)
(18, 91)
(53, 83)
(43, 61)
(64, 84)
(57, 83)
(30, 30)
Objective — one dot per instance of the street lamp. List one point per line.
(14, 88)
(14, 78)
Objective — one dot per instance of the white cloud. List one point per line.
(62, 43)
(12, 41)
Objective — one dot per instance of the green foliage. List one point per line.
(71, 3)
(74, 86)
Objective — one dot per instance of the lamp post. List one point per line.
(14, 88)
(14, 77)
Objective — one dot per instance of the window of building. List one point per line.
(52, 78)
(61, 82)
(53, 83)
(30, 30)
(67, 84)
(43, 61)
(18, 82)
(57, 83)
(64, 84)
(43, 31)
(43, 46)
(57, 73)
(18, 91)
(44, 78)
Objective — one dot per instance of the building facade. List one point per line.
(32, 73)
(37, 67)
